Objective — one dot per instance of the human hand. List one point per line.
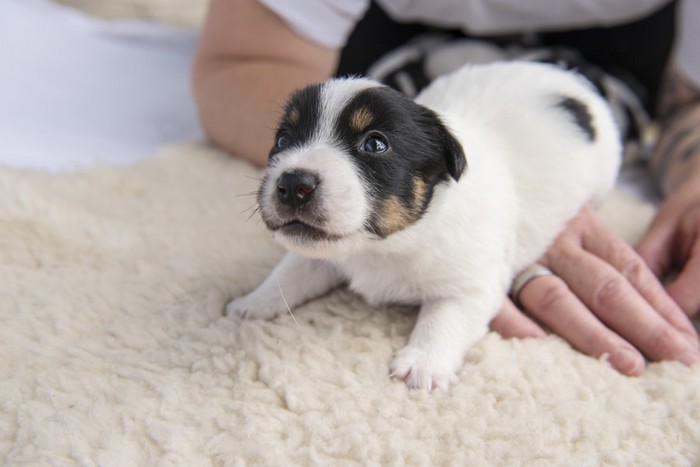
(603, 299)
(672, 244)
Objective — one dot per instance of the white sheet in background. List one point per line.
(75, 90)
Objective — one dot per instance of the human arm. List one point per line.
(672, 243)
(606, 298)
(247, 63)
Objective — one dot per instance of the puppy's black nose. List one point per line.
(296, 188)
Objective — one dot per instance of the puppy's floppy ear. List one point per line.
(452, 150)
(447, 143)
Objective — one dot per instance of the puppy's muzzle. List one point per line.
(296, 188)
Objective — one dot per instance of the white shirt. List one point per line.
(330, 22)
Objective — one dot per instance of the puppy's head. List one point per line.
(353, 161)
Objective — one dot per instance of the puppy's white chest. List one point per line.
(379, 279)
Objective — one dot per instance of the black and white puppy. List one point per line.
(437, 202)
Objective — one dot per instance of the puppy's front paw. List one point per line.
(252, 307)
(421, 370)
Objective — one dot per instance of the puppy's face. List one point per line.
(353, 162)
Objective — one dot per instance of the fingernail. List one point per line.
(627, 361)
(690, 358)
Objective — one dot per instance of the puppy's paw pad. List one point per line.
(247, 308)
(422, 371)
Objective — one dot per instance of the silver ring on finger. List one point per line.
(524, 278)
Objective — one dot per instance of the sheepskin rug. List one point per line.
(114, 350)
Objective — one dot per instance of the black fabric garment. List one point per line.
(636, 52)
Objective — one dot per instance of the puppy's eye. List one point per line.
(283, 141)
(375, 144)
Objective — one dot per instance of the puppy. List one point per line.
(436, 202)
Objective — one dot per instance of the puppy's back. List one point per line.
(546, 130)
(539, 111)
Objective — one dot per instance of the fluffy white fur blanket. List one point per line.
(114, 350)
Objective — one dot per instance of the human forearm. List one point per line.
(239, 104)
(247, 63)
(676, 159)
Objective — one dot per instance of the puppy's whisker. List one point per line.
(285, 301)
(257, 179)
(249, 208)
(255, 211)
(252, 193)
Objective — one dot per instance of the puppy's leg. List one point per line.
(295, 279)
(444, 332)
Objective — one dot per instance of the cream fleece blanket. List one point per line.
(115, 352)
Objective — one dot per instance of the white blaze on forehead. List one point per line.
(335, 96)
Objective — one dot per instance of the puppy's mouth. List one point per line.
(302, 231)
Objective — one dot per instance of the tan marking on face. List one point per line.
(294, 116)
(394, 215)
(361, 119)
(420, 190)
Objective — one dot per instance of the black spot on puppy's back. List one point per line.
(580, 115)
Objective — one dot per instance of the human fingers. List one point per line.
(629, 269)
(511, 322)
(549, 299)
(656, 246)
(620, 307)
(684, 288)
(673, 242)
(675, 219)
